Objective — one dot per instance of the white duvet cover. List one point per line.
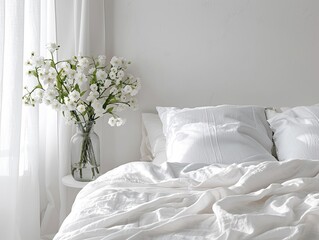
(268, 200)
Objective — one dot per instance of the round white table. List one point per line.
(70, 182)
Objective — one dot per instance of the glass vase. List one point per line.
(85, 153)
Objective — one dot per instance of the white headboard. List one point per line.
(209, 52)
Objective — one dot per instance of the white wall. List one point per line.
(208, 52)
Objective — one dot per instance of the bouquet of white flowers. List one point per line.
(83, 89)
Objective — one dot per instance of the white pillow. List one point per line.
(153, 145)
(145, 148)
(296, 133)
(162, 112)
(222, 134)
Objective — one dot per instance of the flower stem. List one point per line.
(87, 156)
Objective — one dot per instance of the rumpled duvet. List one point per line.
(138, 200)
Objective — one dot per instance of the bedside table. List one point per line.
(69, 181)
(72, 188)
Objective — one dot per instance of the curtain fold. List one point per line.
(12, 16)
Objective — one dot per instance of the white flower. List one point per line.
(37, 95)
(83, 62)
(47, 80)
(81, 108)
(116, 121)
(69, 81)
(46, 66)
(36, 61)
(114, 69)
(134, 92)
(116, 62)
(101, 60)
(93, 87)
(52, 47)
(52, 73)
(127, 89)
(101, 75)
(124, 98)
(29, 73)
(137, 87)
(70, 73)
(74, 96)
(117, 81)
(92, 96)
(71, 105)
(112, 75)
(112, 121)
(107, 83)
(94, 93)
(120, 74)
(91, 70)
(66, 100)
(80, 78)
(120, 122)
(133, 104)
(51, 94)
(98, 108)
(73, 60)
(124, 63)
(55, 104)
(63, 65)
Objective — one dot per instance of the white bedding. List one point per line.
(268, 200)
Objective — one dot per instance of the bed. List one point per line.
(198, 193)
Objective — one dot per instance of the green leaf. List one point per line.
(77, 88)
(113, 100)
(58, 83)
(108, 100)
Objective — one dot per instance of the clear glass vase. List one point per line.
(85, 153)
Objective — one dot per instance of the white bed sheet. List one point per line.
(268, 200)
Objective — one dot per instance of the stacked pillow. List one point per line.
(296, 132)
(231, 134)
(153, 145)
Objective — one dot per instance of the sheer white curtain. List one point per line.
(25, 27)
(34, 142)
